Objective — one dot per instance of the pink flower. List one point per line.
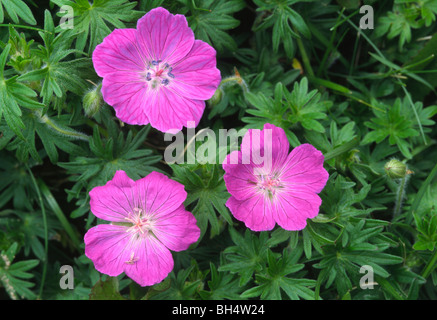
(157, 73)
(282, 189)
(147, 219)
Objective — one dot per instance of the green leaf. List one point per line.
(273, 279)
(211, 24)
(92, 21)
(12, 274)
(221, 286)
(247, 257)
(17, 9)
(207, 195)
(106, 290)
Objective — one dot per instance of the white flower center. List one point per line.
(141, 223)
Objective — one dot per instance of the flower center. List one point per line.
(158, 74)
(141, 224)
(268, 184)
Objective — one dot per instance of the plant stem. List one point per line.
(305, 59)
(46, 231)
(400, 196)
(431, 265)
(24, 27)
(66, 132)
(415, 112)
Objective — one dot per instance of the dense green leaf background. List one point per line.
(361, 96)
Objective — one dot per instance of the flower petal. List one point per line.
(196, 76)
(255, 212)
(169, 112)
(304, 169)
(239, 178)
(114, 250)
(121, 179)
(291, 209)
(109, 246)
(267, 148)
(163, 36)
(118, 52)
(177, 230)
(154, 262)
(159, 195)
(111, 202)
(127, 93)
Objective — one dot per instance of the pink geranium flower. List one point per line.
(157, 73)
(147, 219)
(282, 189)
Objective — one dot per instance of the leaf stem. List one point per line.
(23, 27)
(431, 265)
(305, 59)
(69, 133)
(46, 231)
(415, 112)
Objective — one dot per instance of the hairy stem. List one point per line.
(400, 196)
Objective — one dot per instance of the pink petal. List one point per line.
(159, 195)
(121, 179)
(113, 250)
(268, 148)
(291, 209)
(239, 178)
(163, 36)
(111, 203)
(177, 230)
(255, 212)
(118, 52)
(303, 169)
(109, 246)
(154, 263)
(127, 93)
(196, 76)
(169, 112)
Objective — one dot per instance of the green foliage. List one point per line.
(273, 281)
(206, 194)
(14, 276)
(210, 20)
(57, 76)
(106, 290)
(287, 109)
(364, 98)
(116, 151)
(286, 22)
(406, 15)
(397, 123)
(92, 21)
(16, 9)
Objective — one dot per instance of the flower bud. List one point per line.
(396, 169)
(92, 101)
(217, 97)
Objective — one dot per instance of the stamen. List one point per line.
(269, 184)
(148, 76)
(165, 82)
(132, 259)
